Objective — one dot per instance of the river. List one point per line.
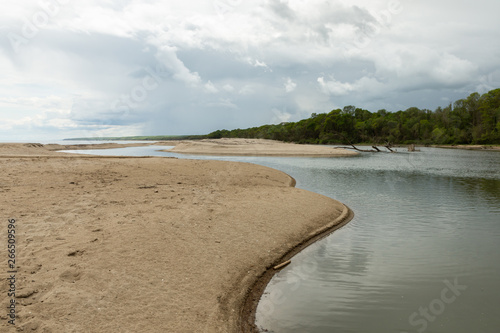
(421, 255)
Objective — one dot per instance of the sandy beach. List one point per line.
(117, 244)
(257, 147)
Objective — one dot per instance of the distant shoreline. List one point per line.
(469, 147)
(174, 140)
(203, 147)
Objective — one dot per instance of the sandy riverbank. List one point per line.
(96, 145)
(469, 147)
(257, 147)
(30, 149)
(146, 244)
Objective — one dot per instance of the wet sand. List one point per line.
(121, 244)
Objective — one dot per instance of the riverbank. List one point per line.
(224, 146)
(470, 147)
(156, 244)
(255, 293)
(256, 147)
(252, 147)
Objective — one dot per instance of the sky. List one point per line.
(125, 67)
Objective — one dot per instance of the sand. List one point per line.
(470, 147)
(257, 147)
(114, 244)
(95, 145)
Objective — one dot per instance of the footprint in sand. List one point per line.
(71, 276)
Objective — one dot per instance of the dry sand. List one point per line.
(257, 147)
(146, 244)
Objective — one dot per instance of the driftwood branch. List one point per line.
(283, 264)
(374, 150)
(364, 150)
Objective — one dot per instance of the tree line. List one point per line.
(473, 120)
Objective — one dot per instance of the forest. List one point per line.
(472, 120)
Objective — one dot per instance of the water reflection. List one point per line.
(417, 224)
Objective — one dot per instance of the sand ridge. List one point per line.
(257, 147)
(470, 147)
(37, 149)
(146, 244)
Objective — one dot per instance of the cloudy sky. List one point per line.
(125, 67)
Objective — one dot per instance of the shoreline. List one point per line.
(256, 147)
(469, 147)
(252, 299)
(231, 147)
(89, 225)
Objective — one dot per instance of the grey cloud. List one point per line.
(97, 112)
(281, 8)
(216, 64)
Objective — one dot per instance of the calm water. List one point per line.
(421, 255)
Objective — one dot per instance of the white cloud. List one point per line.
(416, 60)
(247, 90)
(167, 57)
(452, 70)
(334, 87)
(210, 87)
(365, 86)
(228, 88)
(290, 85)
(280, 116)
(261, 64)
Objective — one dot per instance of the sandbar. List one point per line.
(117, 244)
(257, 147)
(470, 147)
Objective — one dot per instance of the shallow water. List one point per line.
(421, 255)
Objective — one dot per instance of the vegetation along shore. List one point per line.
(471, 121)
